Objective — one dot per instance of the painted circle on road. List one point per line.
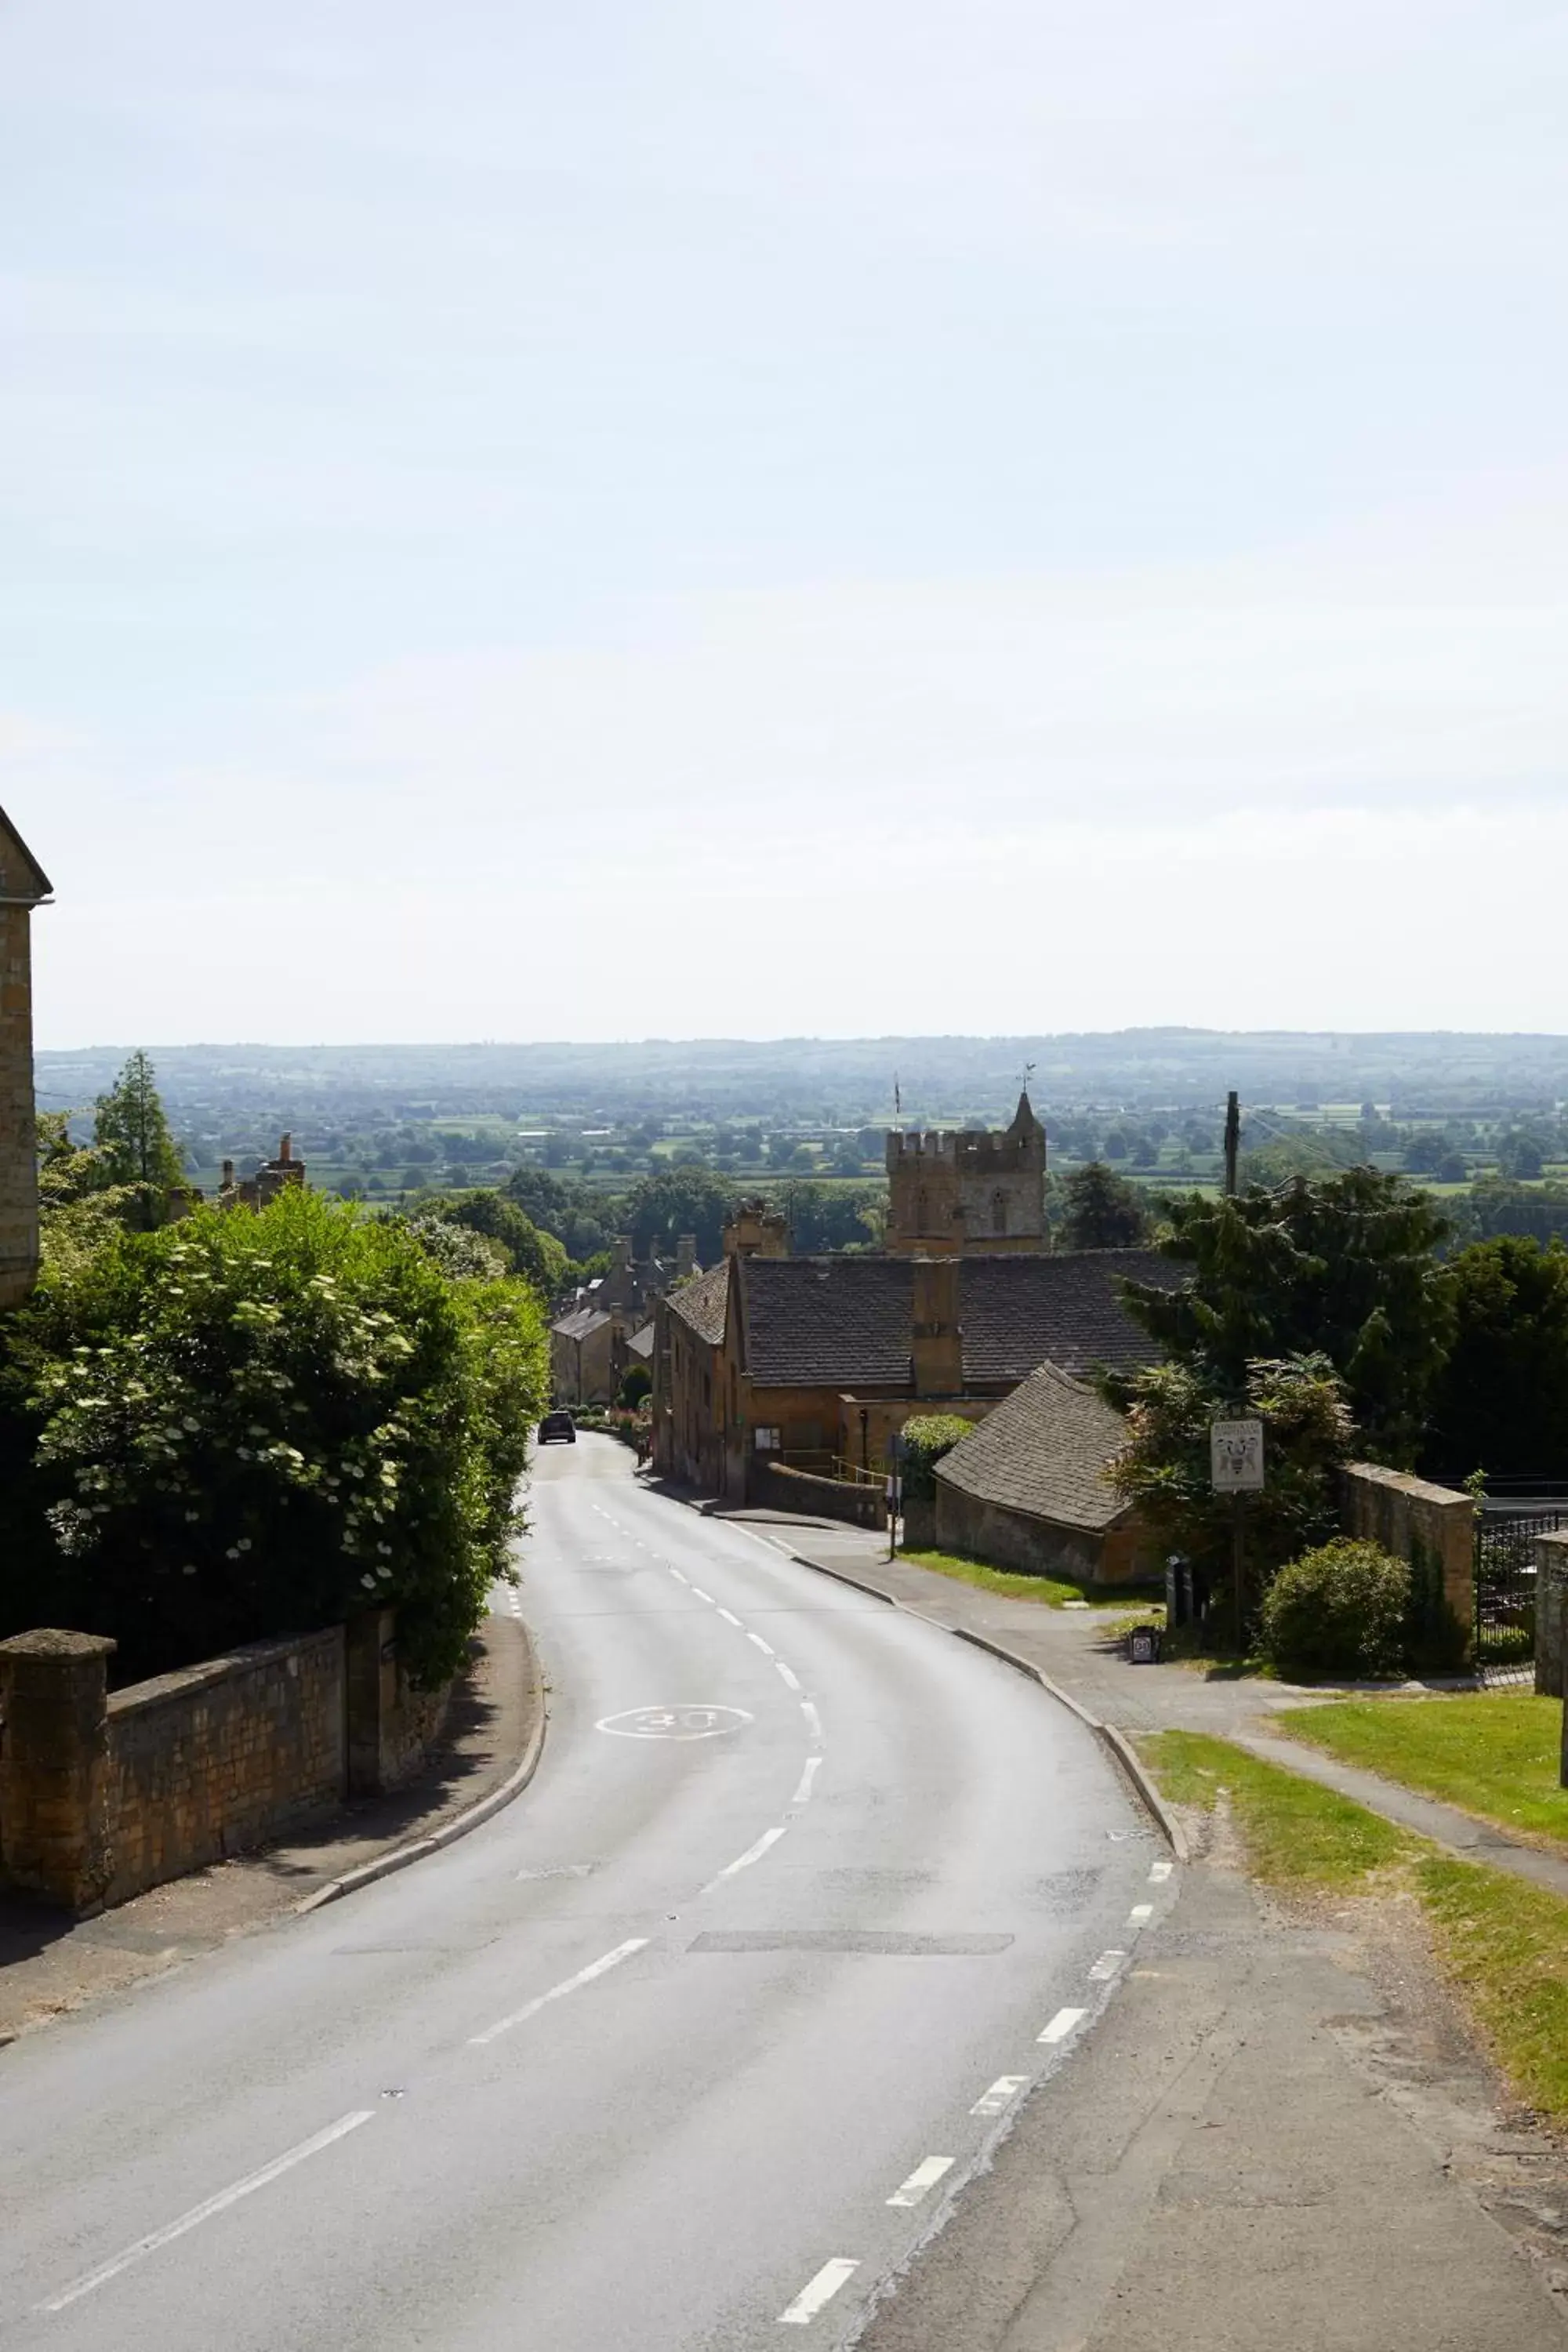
(686, 1720)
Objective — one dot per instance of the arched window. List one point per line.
(998, 1211)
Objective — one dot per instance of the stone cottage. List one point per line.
(1029, 1489)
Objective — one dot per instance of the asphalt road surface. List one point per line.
(696, 2042)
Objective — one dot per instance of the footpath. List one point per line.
(1281, 2132)
(50, 1964)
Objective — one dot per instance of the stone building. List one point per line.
(23, 886)
(970, 1192)
(607, 1327)
(1029, 1489)
(273, 1176)
(814, 1362)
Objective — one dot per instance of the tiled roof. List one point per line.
(580, 1322)
(844, 1322)
(700, 1303)
(828, 1322)
(1044, 1451)
(1018, 1312)
(641, 1342)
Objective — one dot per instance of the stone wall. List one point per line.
(218, 1759)
(1551, 1614)
(102, 1797)
(780, 1488)
(1433, 1528)
(1036, 1547)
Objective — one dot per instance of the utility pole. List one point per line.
(1231, 1142)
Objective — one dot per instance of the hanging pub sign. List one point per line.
(1235, 1457)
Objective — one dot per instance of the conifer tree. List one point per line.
(132, 1133)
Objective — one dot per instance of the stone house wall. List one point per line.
(18, 1146)
(1036, 1547)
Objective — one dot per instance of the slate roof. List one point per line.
(1043, 1451)
(580, 1322)
(844, 1322)
(1018, 1312)
(641, 1343)
(700, 1303)
(828, 1322)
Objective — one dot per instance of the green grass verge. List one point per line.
(1502, 1943)
(1298, 1834)
(1494, 1754)
(1052, 1591)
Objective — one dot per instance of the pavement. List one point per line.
(700, 2037)
(51, 1965)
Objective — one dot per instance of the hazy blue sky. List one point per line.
(525, 520)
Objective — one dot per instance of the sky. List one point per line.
(832, 517)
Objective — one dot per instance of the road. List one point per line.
(700, 2037)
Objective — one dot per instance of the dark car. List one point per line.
(558, 1429)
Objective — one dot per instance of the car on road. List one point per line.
(558, 1429)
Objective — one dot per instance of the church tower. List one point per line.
(976, 1194)
(23, 886)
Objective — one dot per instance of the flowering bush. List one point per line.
(243, 1426)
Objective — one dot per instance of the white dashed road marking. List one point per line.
(1105, 1967)
(752, 1853)
(1158, 1873)
(698, 1594)
(729, 1617)
(818, 2291)
(1139, 1913)
(786, 1673)
(766, 1648)
(922, 2180)
(1062, 2024)
(1002, 2093)
(813, 1766)
(584, 1975)
(205, 2210)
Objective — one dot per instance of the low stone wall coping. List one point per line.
(53, 1642)
(1419, 1490)
(186, 1681)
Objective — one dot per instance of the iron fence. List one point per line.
(1505, 1593)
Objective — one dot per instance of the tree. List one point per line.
(661, 1207)
(133, 1134)
(1521, 1155)
(1164, 1467)
(1103, 1211)
(576, 1215)
(539, 1258)
(1343, 1267)
(241, 1425)
(1501, 1404)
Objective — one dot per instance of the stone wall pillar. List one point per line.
(55, 1839)
(370, 1689)
(1551, 1614)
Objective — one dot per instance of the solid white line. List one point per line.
(766, 1648)
(730, 1619)
(582, 1977)
(1002, 2093)
(813, 1765)
(818, 2291)
(204, 2211)
(1139, 1913)
(1062, 2024)
(813, 1720)
(698, 1594)
(1105, 1967)
(786, 1673)
(744, 1860)
(922, 2179)
(1158, 1873)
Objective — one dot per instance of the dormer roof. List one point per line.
(23, 881)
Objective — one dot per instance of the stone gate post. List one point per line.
(54, 1759)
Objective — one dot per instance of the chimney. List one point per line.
(621, 1253)
(228, 1176)
(684, 1255)
(936, 1337)
(756, 1231)
(285, 1150)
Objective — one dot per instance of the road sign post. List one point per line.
(1235, 1468)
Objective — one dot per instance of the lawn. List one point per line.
(1502, 1943)
(1050, 1590)
(1494, 1754)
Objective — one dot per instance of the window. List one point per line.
(767, 1441)
(922, 1210)
(998, 1211)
